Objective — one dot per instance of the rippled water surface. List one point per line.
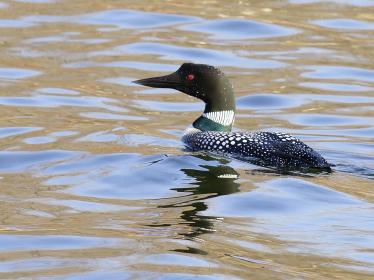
(96, 184)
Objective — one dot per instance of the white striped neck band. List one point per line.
(222, 117)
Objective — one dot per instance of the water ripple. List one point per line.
(345, 24)
(340, 73)
(12, 131)
(226, 29)
(50, 101)
(52, 242)
(121, 19)
(13, 161)
(132, 19)
(17, 73)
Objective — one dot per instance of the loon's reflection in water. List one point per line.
(209, 181)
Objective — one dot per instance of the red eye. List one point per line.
(190, 77)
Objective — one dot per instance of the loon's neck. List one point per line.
(217, 117)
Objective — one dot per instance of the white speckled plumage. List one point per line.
(263, 148)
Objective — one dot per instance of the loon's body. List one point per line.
(211, 132)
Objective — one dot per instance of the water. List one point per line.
(95, 182)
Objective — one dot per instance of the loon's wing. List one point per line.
(291, 150)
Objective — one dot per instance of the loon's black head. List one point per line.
(198, 80)
(206, 83)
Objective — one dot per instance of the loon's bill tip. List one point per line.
(142, 82)
(167, 81)
(138, 82)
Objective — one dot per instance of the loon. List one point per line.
(211, 132)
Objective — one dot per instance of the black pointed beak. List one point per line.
(169, 81)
